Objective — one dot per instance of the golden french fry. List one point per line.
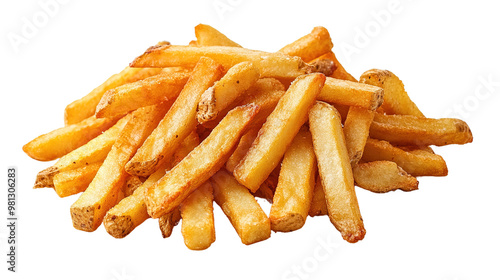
(293, 195)
(269, 64)
(76, 180)
(335, 171)
(383, 176)
(179, 121)
(318, 203)
(88, 211)
(278, 131)
(244, 213)
(95, 150)
(229, 88)
(146, 92)
(310, 46)
(415, 162)
(168, 221)
(351, 94)
(197, 212)
(131, 184)
(242, 149)
(356, 131)
(339, 71)
(84, 107)
(396, 100)
(61, 141)
(419, 131)
(206, 35)
(200, 164)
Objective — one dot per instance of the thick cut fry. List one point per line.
(197, 212)
(74, 181)
(84, 107)
(131, 184)
(178, 123)
(419, 131)
(383, 176)
(351, 94)
(102, 194)
(200, 164)
(269, 64)
(150, 91)
(168, 221)
(293, 195)
(278, 131)
(415, 162)
(61, 141)
(310, 46)
(239, 205)
(219, 96)
(339, 71)
(356, 131)
(206, 35)
(318, 203)
(396, 100)
(95, 150)
(335, 171)
(242, 149)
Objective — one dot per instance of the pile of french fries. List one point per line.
(183, 126)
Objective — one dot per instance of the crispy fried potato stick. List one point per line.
(206, 35)
(351, 94)
(335, 171)
(318, 203)
(419, 131)
(310, 46)
(88, 211)
(356, 131)
(240, 207)
(293, 195)
(396, 100)
(278, 131)
(76, 180)
(61, 141)
(383, 176)
(242, 149)
(132, 183)
(146, 92)
(179, 121)
(415, 162)
(84, 107)
(339, 71)
(200, 164)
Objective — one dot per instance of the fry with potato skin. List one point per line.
(419, 131)
(335, 171)
(240, 207)
(200, 164)
(293, 195)
(84, 107)
(356, 131)
(383, 176)
(415, 162)
(61, 141)
(339, 71)
(146, 92)
(318, 203)
(351, 94)
(278, 131)
(206, 35)
(179, 121)
(76, 180)
(88, 211)
(132, 183)
(310, 46)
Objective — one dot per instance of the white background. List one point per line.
(447, 230)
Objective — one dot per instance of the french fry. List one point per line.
(356, 131)
(269, 64)
(310, 46)
(278, 131)
(88, 211)
(95, 150)
(74, 181)
(197, 212)
(351, 94)
(206, 35)
(146, 92)
(131, 184)
(339, 71)
(168, 221)
(242, 149)
(293, 195)
(419, 131)
(244, 213)
(84, 107)
(415, 162)
(396, 100)
(200, 164)
(179, 121)
(335, 171)
(383, 176)
(61, 141)
(318, 203)
(219, 96)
